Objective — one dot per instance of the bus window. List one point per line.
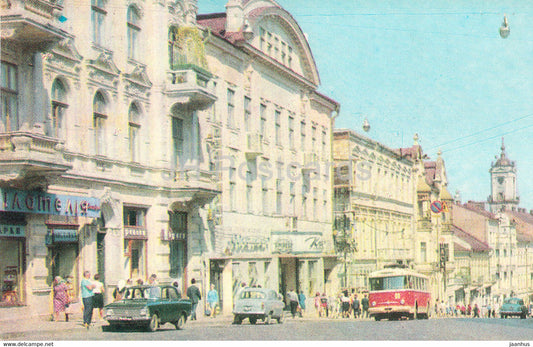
(396, 282)
(376, 283)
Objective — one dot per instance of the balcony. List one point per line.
(190, 84)
(33, 23)
(30, 159)
(199, 185)
(310, 162)
(254, 145)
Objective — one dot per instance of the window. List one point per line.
(178, 141)
(291, 132)
(302, 133)
(423, 252)
(9, 92)
(134, 32)
(278, 127)
(178, 245)
(59, 106)
(247, 114)
(291, 199)
(99, 119)
(98, 14)
(134, 127)
(232, 188)
(249, 196)
(134, 217)
(278, 197)
(324, 149)
(264, 195)
(313, 134)
(231, 109)
(262, 111)
(173, 48)
(315, 202)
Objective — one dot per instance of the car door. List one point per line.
(173, 304)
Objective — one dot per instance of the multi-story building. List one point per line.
(270, 137)
(115, 116)
(374, 199)
(508, 232)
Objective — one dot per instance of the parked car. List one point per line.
(258, 303)
(148, 306)
(513, 307)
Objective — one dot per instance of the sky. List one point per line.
(436, 68)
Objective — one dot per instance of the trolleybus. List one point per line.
(398, 292)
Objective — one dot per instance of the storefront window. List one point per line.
(12, 237)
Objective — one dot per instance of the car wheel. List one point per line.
(281, 318)
(154, 323)
(268, 319)
(237, 320)
(253, 320)
(377, 318)
(522, 316)
(180, 323)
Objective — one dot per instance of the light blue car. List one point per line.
(258, 304)
(513, 307)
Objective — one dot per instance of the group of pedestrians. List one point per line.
(475, 311)
(344, 305)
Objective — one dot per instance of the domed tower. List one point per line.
(503, 184)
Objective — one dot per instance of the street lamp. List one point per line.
(504, 29)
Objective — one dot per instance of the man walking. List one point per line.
(87, 297)
(194, 295)
(365, 304)
(293, 302)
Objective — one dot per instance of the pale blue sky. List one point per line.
(436, 68)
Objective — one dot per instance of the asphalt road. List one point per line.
(221, 329)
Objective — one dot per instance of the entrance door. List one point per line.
(288, 276)
(215, 277)
(178, 247)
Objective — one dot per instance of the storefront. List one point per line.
(12, 251)
(40, 239)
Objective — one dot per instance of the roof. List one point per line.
(474, 207)
(476, 245)
(524, 225)
(216, 22)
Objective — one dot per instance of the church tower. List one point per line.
(503, 184)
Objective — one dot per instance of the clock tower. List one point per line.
(503, 184)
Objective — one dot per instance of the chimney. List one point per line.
(234, 16)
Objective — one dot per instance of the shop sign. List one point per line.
(135, 233)
(12, 230)
(169, 235)
(297, 242)
(38, 202)
(247, 244)
(62, 236)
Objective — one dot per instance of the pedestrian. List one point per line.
(365, 304)
(476, 311)
(176, 285)
(119, 291)
(87, 297)
(345, 304)
(355, 306)
(155, 291)
(60, 298)
(301, 301)
(195, 296)
(489, 310)
(469, 310)
(317, 304)
(495, 309)
(212, 301)
(71, 293)
(293, 302)
(98, 297)
(324, 307)
(140, 282)
(239, 291)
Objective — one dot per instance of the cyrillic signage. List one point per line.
(12, 230)
(135, 233)
(297, 242)
(44, 203)
(62, 236)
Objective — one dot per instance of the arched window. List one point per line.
(99, 118)
(134, 32)
(98, 14)
(134, 128)
(59, 106)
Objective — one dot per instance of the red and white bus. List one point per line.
(398, 292)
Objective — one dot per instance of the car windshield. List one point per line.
(252, 295)
(513, 301)
(143, 293)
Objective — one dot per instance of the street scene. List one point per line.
(236, 170)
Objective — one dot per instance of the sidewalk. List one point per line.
(20, 326)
